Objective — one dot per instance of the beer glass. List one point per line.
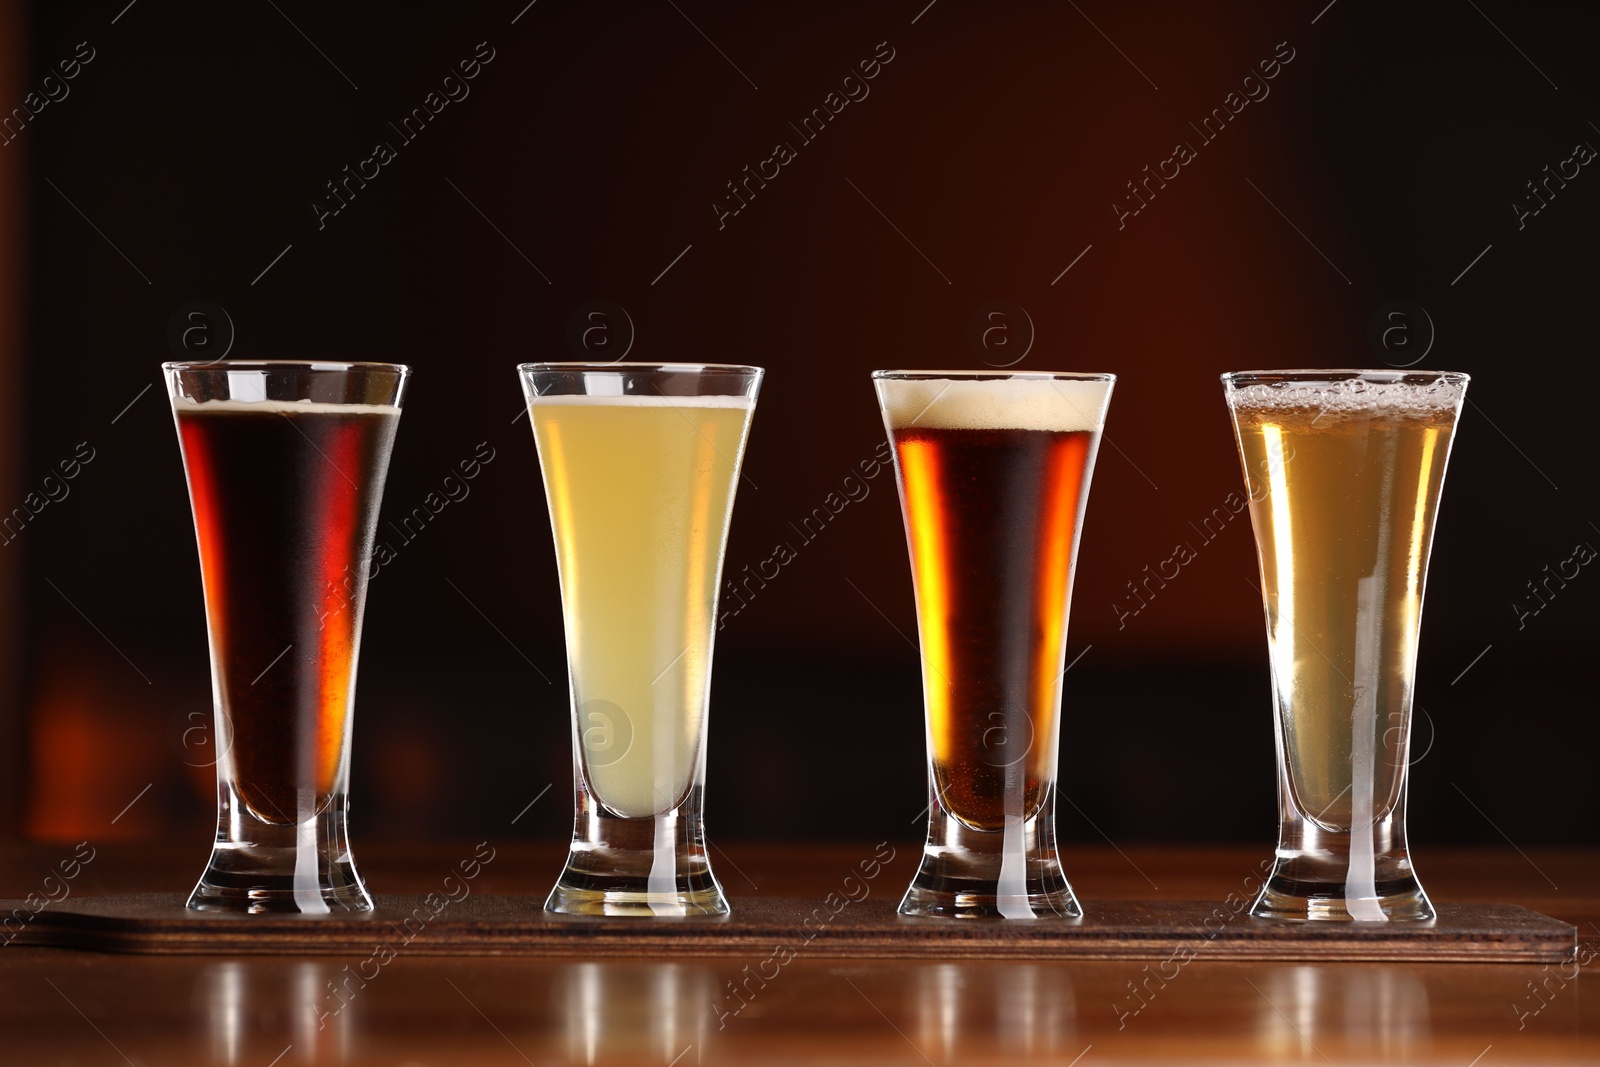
(1344, 469)
(640, 463)
(285, 463)
(993, 471)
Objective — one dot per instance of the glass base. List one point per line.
(247, 883)
(258, 868)
(1001, 874)
(682, 902)
(1286, 898)
(1344, 877)
(931, 902)
(641, 868)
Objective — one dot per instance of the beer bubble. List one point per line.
(1000, 333)
(606, 732)
(600, 331)
(200, 331)
(1419, 395)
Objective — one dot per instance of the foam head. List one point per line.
(640, 400)
(1338, 399)
(184, 405)
(1062, 405)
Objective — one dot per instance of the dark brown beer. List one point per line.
(993, 516)
(285, 499)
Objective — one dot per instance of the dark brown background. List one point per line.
(594, 145)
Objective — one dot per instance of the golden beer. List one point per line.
(1345, 471)
(641, 489)
(640, 463)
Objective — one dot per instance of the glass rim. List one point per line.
(1342, 374)
(318, 365)
(588, 367)
(978, 375)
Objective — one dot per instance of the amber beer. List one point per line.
(285, 464)
(1346, 469)
(993, 572)
(994, 477)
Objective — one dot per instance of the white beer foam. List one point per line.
(1058, 404)
(647, 400)
(1351, 397)
(279, 407)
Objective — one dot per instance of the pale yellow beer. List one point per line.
(1345, 479)
(641, 490)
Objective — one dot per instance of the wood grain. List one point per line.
(667, 1005)
(491, 925)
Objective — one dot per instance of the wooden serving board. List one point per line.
(483, 925)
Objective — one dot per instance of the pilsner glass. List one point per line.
(285, 463)
(993, 471)
(640, 463)
(1344, 469)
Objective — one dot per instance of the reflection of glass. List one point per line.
(993, 472)
(228, 1003)
(285, 464)
(254, 1007)
(1344, 470)
(974, 1010)
(640, 463)
(636, 1012)
(1372, 1014)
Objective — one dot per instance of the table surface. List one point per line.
(60, 1006)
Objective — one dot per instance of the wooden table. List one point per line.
(59, 1006)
